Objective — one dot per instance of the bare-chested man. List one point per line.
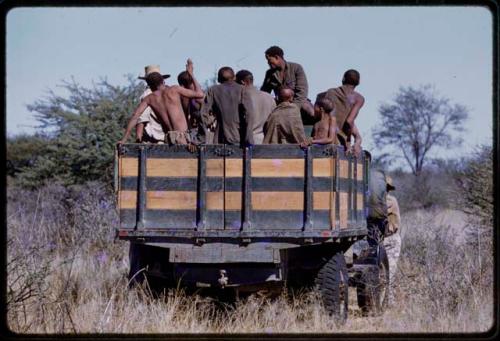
(166, 104)
(347, 103)
(325, 130)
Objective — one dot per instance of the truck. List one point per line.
(246, 218)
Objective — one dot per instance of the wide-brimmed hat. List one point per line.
(389, 183)
(149, 69)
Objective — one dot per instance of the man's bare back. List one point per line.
(165, 101)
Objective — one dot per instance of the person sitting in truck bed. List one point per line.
(192, 110)
(325, 130)
(263, 104)
(148, 128)
(166, 104)
(284, 125)
(347, 104)
(230, 105)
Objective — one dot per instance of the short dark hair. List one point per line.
(225, 73)
(184, 79)
(325, 103)
(154, 80)
(244, 75)
(351, 77)
(274, 51)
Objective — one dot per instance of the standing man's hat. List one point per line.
(390, 185)
(150, 69)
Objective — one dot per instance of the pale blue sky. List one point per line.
(450, 47)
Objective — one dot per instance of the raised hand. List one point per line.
(189, 66)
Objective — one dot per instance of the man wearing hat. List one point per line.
(165, 101)
(148, 123)
(392, 240)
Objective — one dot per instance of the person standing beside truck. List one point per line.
(283, 73)
(230, 105)
(166, 104)
(392, 239)
(284, 125)
(263, 103)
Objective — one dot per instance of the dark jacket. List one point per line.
(295, 78)
(229, 102)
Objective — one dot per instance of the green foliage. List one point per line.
(417, 121)
(475, 181)
(23, 151)
(84, 126)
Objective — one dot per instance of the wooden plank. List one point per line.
(322, 200)
(175, 168)
(360, 201)
(215, 201)
(277, 168)
(344, 168)
(129, 166)
(215, 167)
(343, 197)
(265, 201)
(171, 200)
(333, 217)
(234, 168)
(323, 167)
(360, 172)
(233, 201)
(127, 199)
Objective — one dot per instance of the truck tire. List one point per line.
(372, 287)
(332, 285)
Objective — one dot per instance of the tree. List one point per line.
(419, 120)
(83, 127)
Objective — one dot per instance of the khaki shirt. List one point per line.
(153, 126)
(284, 125)
(393, 217)
(263, 104)
(294, 78)
(377, 202)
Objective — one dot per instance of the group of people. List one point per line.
(238, 113)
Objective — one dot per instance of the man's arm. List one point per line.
(133, 120)
(248, 115)
(357, 139)
(197, 92)
(360, 100)
(266, 85)
(301, 86)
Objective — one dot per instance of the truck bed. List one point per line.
(223, 193)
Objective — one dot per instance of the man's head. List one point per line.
(274, 56)
(285, 94)
(322, 105)
(351, 77)
(225, 74)
(154, 80)
(185, 80)
(244, 77)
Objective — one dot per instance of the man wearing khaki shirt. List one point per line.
(392, 240)
(263, 104)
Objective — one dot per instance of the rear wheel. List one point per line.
(332, 284)
(373, 285)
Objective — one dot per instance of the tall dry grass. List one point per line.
(66, 274)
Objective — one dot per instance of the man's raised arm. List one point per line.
(197, 92)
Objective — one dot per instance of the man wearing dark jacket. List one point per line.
(288, 74)
(230, 105)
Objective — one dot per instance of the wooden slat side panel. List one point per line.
(171, 200)
(129, 166)
(343, 198)
(277, 201)
(322, 200)
(360, 171)
(344, 168)
(175, 168)
(215, 201)
(233, 201)
(333, 216)
(127, 199)
(215, 167)
(277, 168)
(323, 167)
(360, 202)
(234, 168)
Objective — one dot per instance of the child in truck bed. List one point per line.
(325, 131)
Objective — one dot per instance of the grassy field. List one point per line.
(66, 274)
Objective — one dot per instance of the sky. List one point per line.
(448, 47)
